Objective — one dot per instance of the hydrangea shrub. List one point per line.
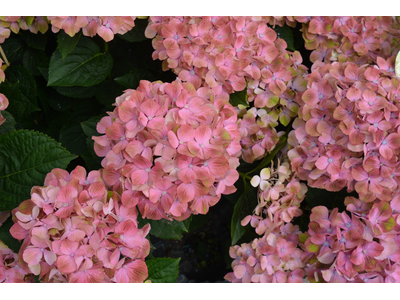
(143, 123)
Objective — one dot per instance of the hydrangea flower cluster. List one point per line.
(350, 39)
(347, 132)
(279, 197)
(362, 247)
(257, 132)
(273, 258)
(276, 256)
(174, 147)
(75, 230)
(15, 23)
(274, 102)
(223, 52)
(105, 27)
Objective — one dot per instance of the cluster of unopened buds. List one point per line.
(351, 39)
(347, 132)
(174, 147)
(75, 230)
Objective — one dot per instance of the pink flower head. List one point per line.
(77, 230)
(193, 134)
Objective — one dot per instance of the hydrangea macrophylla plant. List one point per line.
(175, 148)
(347, 132)
(75, 230)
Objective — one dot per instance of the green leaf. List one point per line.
(35, 41)
(239, 98)
(25, 159)
(65, 43)
(244, 207)
(136, 34)
(14, 48)
(89, 126)
(55, 100)
(92, 161)
(285, 33)
(27, 85)
(44, 68)
(83, 66)
(32, 59)
(132, 79)
(73, 138)
(9, 124)
(164, 229)
(163, 270)
(7, 238)
(79, 92)
(107, 92)
(197, 222)
(90, 157)
(267, 159)
(17, 104)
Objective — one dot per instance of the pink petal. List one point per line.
(322, 163)
(187, 175)
(133, 272)
(32, 256)
(310, 97)
(239, 271)
(66, 264)
(186, 192)
(50, 257)
(106, 33)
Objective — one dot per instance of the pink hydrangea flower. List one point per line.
(75, 230)
(173, 144)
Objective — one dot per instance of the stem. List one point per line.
(4, 57)
(105, 47)
(266, 161)
(245, 176)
